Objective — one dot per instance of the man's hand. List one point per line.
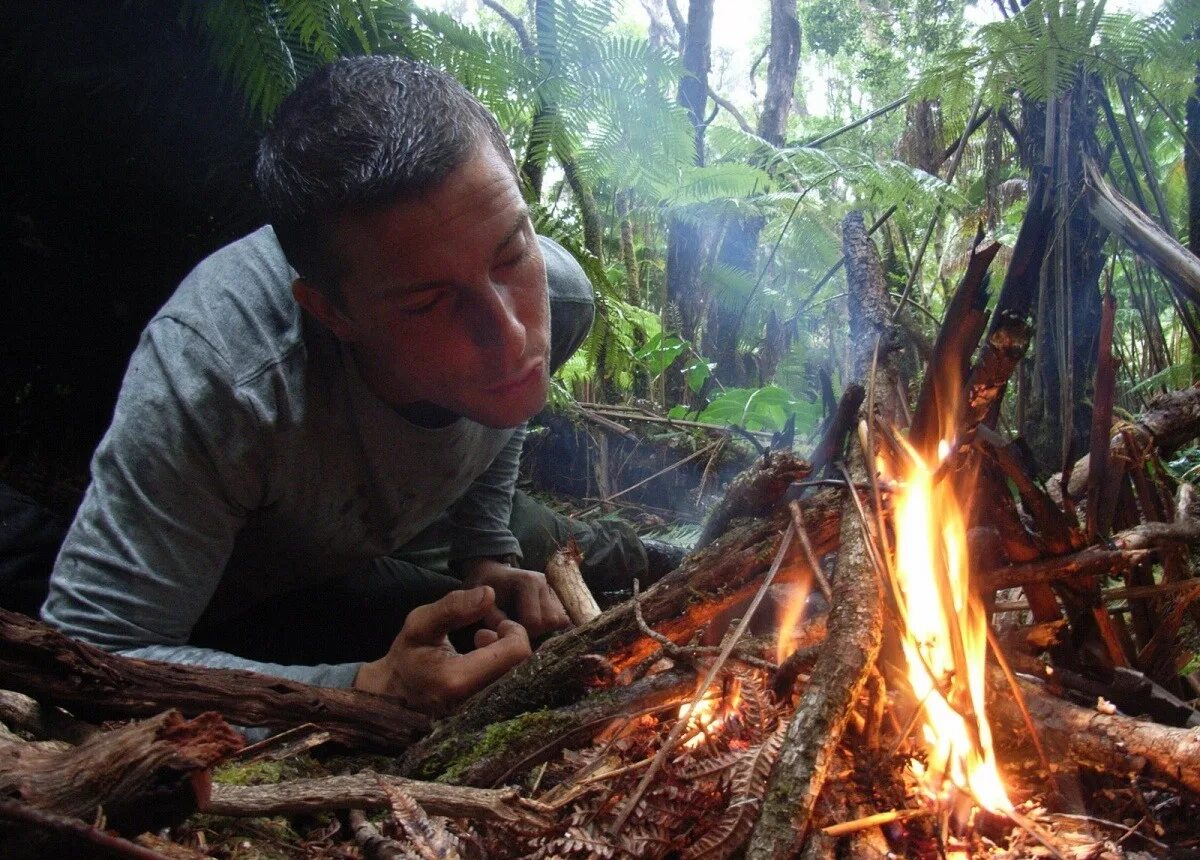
(523, 593)
(423, 669)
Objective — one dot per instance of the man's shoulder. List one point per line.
(239, 300)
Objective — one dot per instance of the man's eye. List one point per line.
(513, 259)
(421, 302)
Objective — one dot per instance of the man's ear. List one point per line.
(323, 308)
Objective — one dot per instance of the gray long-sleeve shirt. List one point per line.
(247, 458)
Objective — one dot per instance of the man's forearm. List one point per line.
(324, 675)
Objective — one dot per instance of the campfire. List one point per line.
(840, 667)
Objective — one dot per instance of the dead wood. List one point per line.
(569, 666)
(1100, 505)
(833, 444)
(1172, 260)
(77, 834)
(1120, 553)
(502, 751)
(38, 660)
(1004, 348)
(754, 493)
(1110, 743)
(1170, 421)
(23, 713)
(855, 634)
(562, 574)
(374, 845)
(143, 776)
(962, 326)
(365, 790)
(856, 617)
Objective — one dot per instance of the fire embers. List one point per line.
(706, 798)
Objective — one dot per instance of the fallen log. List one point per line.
(143, 776)
(1170, 421)
(365, 790)
(37, 660)
(1109, 743)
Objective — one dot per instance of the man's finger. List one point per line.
(553, 612)
(429, 624)
(529, 604)
(485, 637)
(494, 617)
(480, 667)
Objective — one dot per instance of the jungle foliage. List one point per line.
(589, 92)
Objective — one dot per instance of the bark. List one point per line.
(143, 776)
(1110, 743)
(1191, 157)
(963, 325)
(855, 635)
(856, 617)
(1171, 421)
(365, 790)
(1068, 315)
(43, 663)
(1119, 553)
(833, 444)
(628, 254)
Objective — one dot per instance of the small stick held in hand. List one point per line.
(562, 573)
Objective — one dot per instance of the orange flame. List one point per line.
(944, 638)
(790, 614)
(711, 712)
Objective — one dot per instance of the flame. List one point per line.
(790, 614)
(944, 637)
(710, 713)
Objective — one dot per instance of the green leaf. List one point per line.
(660, 352)
(697, 373)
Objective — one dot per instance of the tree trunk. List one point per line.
(1068, 315)
(1191, 158)
(628, 254)
(739, 248)
(684, 251)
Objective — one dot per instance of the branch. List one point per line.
(516, 23)
(365, 790)
(732, 111)
(43, 663)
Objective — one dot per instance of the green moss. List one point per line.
(540, 725)
(266, 772)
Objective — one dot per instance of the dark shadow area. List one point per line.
(126, 161)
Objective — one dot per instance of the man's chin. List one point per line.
(511, 412)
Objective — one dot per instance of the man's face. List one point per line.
(445, 297)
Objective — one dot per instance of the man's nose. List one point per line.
(499, 329)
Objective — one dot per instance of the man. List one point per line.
(332, 401)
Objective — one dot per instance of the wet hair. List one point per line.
(360, 135)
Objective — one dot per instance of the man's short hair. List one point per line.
(360, 135)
